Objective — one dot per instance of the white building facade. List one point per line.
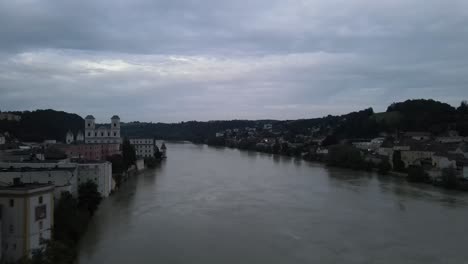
(99, 173)
(104, 134)
(144, 147)
(64, 176)
(27, 218)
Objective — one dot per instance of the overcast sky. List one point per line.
(178, 60)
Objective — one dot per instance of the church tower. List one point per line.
(115, 126)
(89, 126)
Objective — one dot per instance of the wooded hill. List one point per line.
(411, 115)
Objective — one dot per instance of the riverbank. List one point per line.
(347, 157)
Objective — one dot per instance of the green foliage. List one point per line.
(216, 141)
(346, 156)
(128, 152)
(89, 197)
(424, 115)
(118, 165)
(53, 153)
(330, 140)
(449, 178)
(43, 124)
(384, 167)
(398, 164)
(151, 162)
(417, 174)
(55, 252)
(68, 219)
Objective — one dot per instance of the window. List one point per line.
(115, 124)
(102, 134)
(41, 225)
(115, 134)
(40, 199)
(89, 134)
(95, 134)
(108, 134)
(12, 203)
(89, 124)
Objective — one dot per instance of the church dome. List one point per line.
(115, 117)
(89, 117)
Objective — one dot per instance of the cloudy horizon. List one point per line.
(186, 60)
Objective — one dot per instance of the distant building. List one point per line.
(267, 126)
(26, 219)
(9, 116)
(220, 134)
(418, 135)
(71, 138)
(2, 140)
(144, 147)
(104, 134)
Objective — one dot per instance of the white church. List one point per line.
(103, 134)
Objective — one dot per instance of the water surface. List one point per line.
(216, 205)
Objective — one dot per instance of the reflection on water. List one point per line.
(218, 205)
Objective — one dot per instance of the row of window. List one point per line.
(148, 141)
(102, 141)
(102, 134)
(114, 124)
(143, 146)
(12, 201)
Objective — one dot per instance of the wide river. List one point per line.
(217, 205)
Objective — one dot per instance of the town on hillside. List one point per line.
(423, 140)
(39, 178)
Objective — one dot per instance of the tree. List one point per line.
(449, 178)
(69, 221)
(118, 165)
(398, 164)
(384, 167)
(128, 152)
(417, 174)
(463, 108)
(88, 196)
(330, 140)
(346, 156)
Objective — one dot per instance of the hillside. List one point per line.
(411, 115)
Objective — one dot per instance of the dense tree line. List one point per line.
(40, 125)
(411, 115)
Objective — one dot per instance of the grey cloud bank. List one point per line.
(185, 60)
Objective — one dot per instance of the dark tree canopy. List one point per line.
(40, 125)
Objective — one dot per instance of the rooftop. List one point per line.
(89, 117)
(25, 186)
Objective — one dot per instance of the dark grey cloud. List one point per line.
(186, 59)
